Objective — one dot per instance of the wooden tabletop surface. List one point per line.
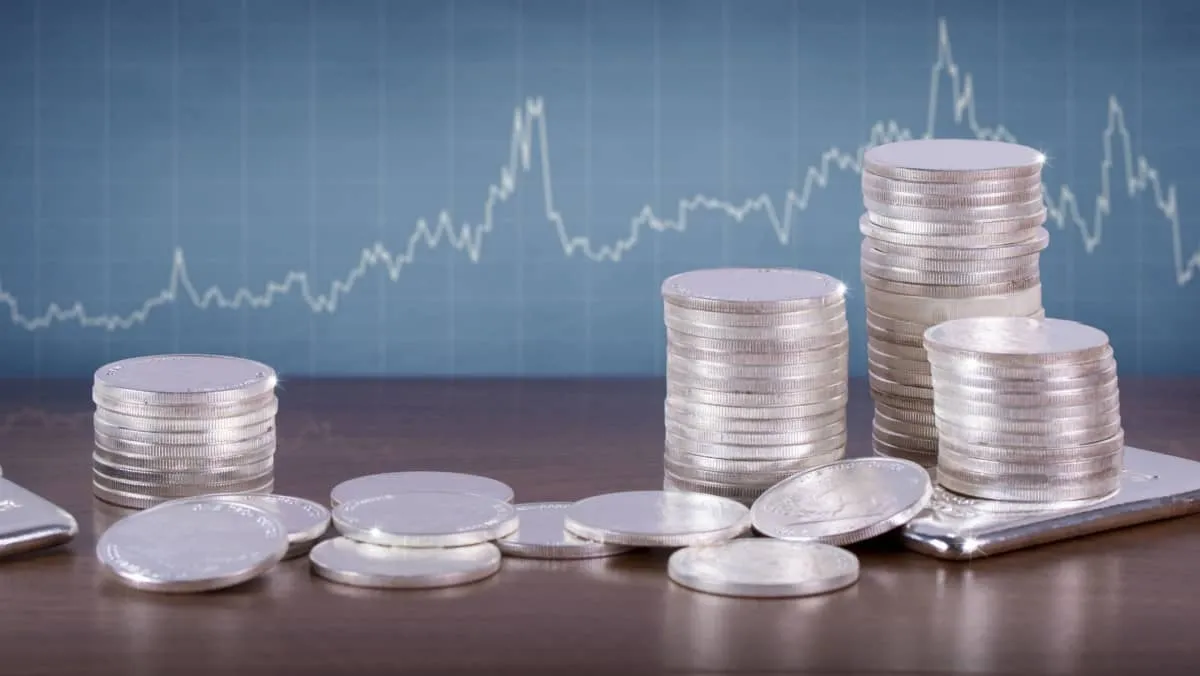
(1120, 602)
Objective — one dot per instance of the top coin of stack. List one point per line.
(756, 377)
(953, 229)
(175, 426)
(1026, 409)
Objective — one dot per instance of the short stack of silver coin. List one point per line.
(177, 426)
(1027, 410)
(953, 229)
(756, 377)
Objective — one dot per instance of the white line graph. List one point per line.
(530, 130)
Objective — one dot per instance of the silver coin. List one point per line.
(1018, 340)
(1028, 209)
(910, 442)
(190, 477)
(1028, 385)
(905, 377)
(1037, 437)
(1050, 425)
(977, 368)
(1045, 452)
(541, 535)
(183, 453)
(130, 422)
(874, 182)
(808, 397)
(425, 519)
(747, 467)
(718, 369)
(752, 290)
(1016, 244)
(966, 202)
(673, 418)
(657, 519)
(174, 411)
(184, 378)
(770, 358)
(961, 506)
(924, 459)
(952, 161)
(894, 273)
(222, 435)
(684, 407)
(711, 436)
(743, 495)
(392, 483)
(718, 346)
(181, 464)
(972, 245)
(358, 564)
(844, 502)
(193, 546)
(1095, 397)
(191, 489)
(306, 521)
(783, 334)
(768, 386)
(965, 290)
(760, 479)
(950, 406)
(1058, 469)
(932, 311)
(1033, 488)
(134, 500)
(827, 312)
(677, 444)
(875, 257)
(761, 568)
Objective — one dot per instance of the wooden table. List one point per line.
(1123, 602)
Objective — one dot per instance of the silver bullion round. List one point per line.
(1049, 426)
(758, 385)
(657, 519)
(740, 494)
(184, 379)
(914, 404)
(1054, 469)
(771, 358)
(425, 519)
(843, 502)
(1103, 375)
(193, 546)
(748, 467)
(894, 336)
(812, 396)
(1045, 452)
(971, 245)
(921, 457)
(952, 161)
(954, 214)
(1103, 407)
(1035, 489)
(879, 259)
(762, 290)
(817, 315)
(910, 442)
(674, 417)
(1099, 393)
(961, 506)
(717, 369)
(720, 436)
(1033, 243)
(882, 362)
(801, 332)
(158, 489)
(391, 483)
(883, 385)
(203, 475)
(903, 415)
(359, 564)
(306, 521)
(905, 377)
(932, 311)
(684, 407)
(175, 411)
(909, 426)
(875, 182)
(968, 202)
(131, 422)
(185, 463)
(977, 368)
(134, 500)
(1018, 341)
(760, 479)
(542, 535)
(677, 444)
(1030, 437)
(223, 435)
(816, 342)
(761, 568)
(966, 290)
(887, 348)
(892, 273)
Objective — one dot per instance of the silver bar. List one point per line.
(29, 522)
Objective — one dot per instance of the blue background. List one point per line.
(349, 187)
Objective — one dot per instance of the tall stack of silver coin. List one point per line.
(757, 365)
(175, 426)
(953, 229)
(1026, 409)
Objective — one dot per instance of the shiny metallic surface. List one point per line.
(29, 522)
(393, 483)
(425, 519)
(762, 568)
(657, 519)
(541, 534)
(358, 564)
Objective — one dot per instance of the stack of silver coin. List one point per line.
(176, 426)
(756, 378)
(953, 229)
(1026, 409)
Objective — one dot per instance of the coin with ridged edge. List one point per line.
(184, 378)
(952, 161)
(306, 521)
(761, 290)
(391, 483)
(358, 564)
(425, 519)
(1017, 340)
(844, 502)
(657, 519)
(761, 568)
(541, 534)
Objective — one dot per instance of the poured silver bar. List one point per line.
(1154, 486)
(30, 522)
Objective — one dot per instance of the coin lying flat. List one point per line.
(306, 521)
(193, 546)
(657, 519)
(393, 483)
(541, 534)
(1021, 340)
(752, 290)
(425, 519)
(952, 161)
(761, 568)
(359, 564)
(844, 502)
(184, 379)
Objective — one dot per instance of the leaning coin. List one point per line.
(425, 519)
(193, 546)
(761, 568)
(844, 502)
(392, 483)
(306, 521)
(359, 564)
(657, 519)
(540, 534)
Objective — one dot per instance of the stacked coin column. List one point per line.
(1027, 410)
(953, 229)
(175, 426)
(756, 378)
